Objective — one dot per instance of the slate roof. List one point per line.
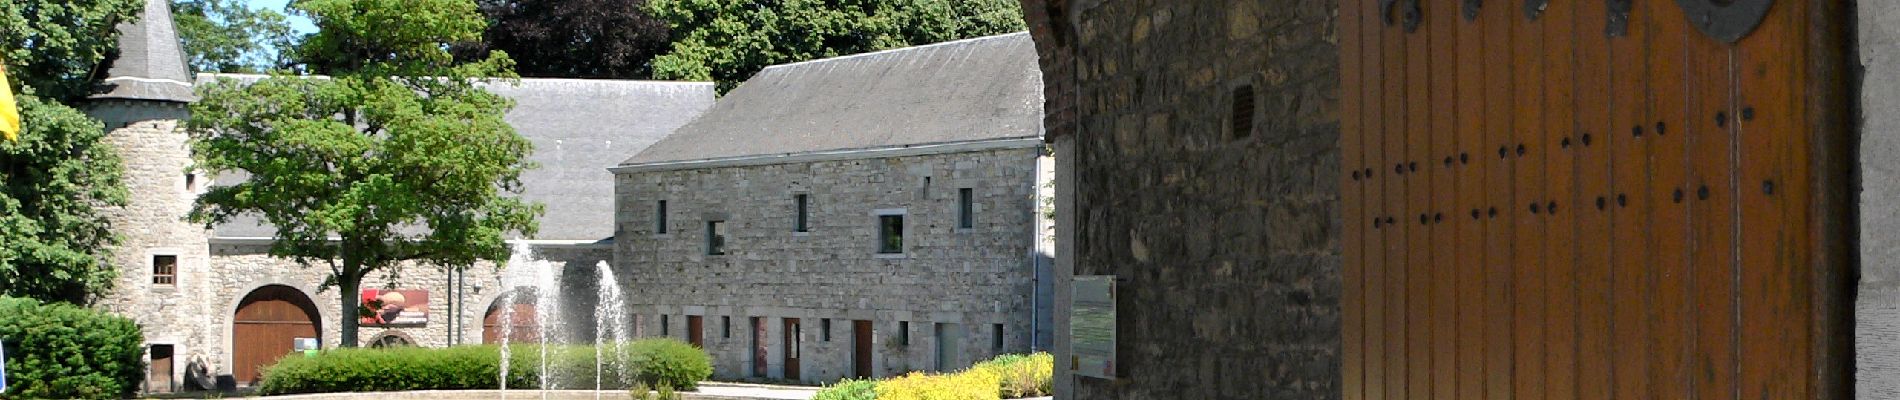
(959, 91)
(579, 129)
(151, 63)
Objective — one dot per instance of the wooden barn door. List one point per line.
(266, 326)
(517, 324)
(1573, 199)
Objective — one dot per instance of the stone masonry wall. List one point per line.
(1877, 304)
(973, 279)
(1227, 246)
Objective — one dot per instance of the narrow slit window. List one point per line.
(659, 217)
(165, 270)
(903, 333)
(663, 328)
(725, 327)
(1243, 103)
(799, 220)
(966, 208)
(996, 337)
(715, 238)
(824, 329)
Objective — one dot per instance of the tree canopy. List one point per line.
(227, 36)
(55, 242)
(729, 40)
(611, 39)
(397, 156)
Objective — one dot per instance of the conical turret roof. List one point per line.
(151, 62)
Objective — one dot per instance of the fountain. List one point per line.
(540, 281)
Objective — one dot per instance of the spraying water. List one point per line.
(612, 327)
(507, 331)
(539, 280)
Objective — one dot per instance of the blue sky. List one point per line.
(300, 24)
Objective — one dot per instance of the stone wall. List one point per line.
(976, 278)
(1226, 245)
(1877, 305)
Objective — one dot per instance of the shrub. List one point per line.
(973, 384)
(849, 389)
(670, 363)
(1022, 376)
(654, 362)
(58, 350)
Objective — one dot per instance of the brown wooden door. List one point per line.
(1583, 199)
(861, 348)
(696, 331)
(266, 326)
(794, 342)
(522, 319)
(159, 374)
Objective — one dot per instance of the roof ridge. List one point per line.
(899, 49)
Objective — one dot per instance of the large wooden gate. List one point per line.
(1582, 199)
(266, 326)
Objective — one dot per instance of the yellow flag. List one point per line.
(9, 113)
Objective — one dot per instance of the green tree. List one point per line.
(398, 156)
(611, 39)
(54, 46)
(227, 36)
(729, 40)
(55, 243)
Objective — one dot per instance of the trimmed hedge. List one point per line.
(653, 362)
(1010, 376)
(62, 351)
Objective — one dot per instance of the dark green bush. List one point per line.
(58, 351)
(655, 362)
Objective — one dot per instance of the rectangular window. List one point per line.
(715, 238)
(659, 218)
(663, 328)
(725, 327)
(800, 203)
(903, 333)
(996, 337)
(165, 270)
(890, 234)
(824, 326)
(966, 208)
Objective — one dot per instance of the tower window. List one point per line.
(966, 208)
(165, 270)
(659, 218)
(799, 204)
(715, 238)
(1243, 103)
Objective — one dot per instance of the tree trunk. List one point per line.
(348, 284)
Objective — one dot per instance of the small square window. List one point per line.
(659, 218)
(890, 233)
(165, 270)
(966, 208)
(824, 329)
(800, 203)
(715, 238)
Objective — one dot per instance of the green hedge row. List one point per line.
(62, 351)
(652, 362)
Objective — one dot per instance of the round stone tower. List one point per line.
(163, 260)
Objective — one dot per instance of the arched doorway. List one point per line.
(522, 319)
(267, 325)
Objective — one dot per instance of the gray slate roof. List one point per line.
(960, 91)
(151, 63)
(579, 129)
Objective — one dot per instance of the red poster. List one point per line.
(385, 307)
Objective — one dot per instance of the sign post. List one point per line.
(1092, 327)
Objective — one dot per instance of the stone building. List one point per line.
(216, 297)
(864, 215)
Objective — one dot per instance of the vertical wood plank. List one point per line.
(1629, 261)
(1471, 202)
(1671, 196)
(1531, 207)
(1351, 202)
(1440, 24)
(1395, 206)
(1560, 295)
(1418, 186)
(1712, 236)
(1774, 314)
(1593, 173)
(1499, 208)
(1377, 176)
